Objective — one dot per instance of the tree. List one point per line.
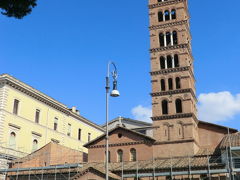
(17, 8)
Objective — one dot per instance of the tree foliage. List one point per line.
(17, 8)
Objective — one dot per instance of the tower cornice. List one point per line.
(173, 70)
(179, 46)
(166, 25)
(175, 116)
(165, 3)
(178, 91)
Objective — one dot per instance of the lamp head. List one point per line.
(115, 92)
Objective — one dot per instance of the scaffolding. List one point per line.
(51, 162)
(225, 165)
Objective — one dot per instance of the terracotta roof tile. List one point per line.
(234, 141)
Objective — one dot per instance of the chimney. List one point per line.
(74, 109)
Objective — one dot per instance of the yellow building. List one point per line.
(30, 119)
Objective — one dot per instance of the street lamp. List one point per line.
(114, 93)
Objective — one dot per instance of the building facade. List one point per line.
(30, 119)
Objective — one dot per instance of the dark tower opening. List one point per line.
(164, 107)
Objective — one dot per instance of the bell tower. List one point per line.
(173, 83)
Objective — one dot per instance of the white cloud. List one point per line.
(142, 113)
(216, 107)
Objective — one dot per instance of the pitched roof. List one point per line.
(232, 140)
(94, 168)
(116, 128)
(162, 164)
(232, 130)
(129, 120)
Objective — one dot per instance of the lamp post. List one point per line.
(114, 93)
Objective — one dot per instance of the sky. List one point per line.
(63, 47)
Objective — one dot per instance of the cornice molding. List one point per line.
(179, 46)
(173, 70)
(166, 25)
(174, 142)
(177, 91)
(175, 116)
(120, 144)
(165, 3)
(6, 79)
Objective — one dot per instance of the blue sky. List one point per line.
(62, 49)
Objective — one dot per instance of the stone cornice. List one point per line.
(120, 144)
(30, 91)
(177, 91)
(173, 70)
(165, 3)
(179, 46)
(166, 25)
(174, 142)
(175, 116)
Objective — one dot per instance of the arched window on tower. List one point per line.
(161, 39)
(133, 155)
(162, 62)
(176, 60)
(167, 15)
(178, 83)
(12, 140)
(173, 14)
(35, 145)
(170, 84)
(160, 16)
(163, 86)
(120, 155)
(164, 107)
(178, 104)
(168, 38)
(169, 62)
(175, 38)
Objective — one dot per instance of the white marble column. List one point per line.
(171, 34)
(165, 40)
(166, 62)
(173, 62)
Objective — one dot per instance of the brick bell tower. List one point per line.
(173, 84)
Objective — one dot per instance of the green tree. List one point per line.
(17, 8)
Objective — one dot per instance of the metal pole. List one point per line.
(171, 169)
(107, 95)
(209, 168)
(189, 166)
(29, 176)
(122, 170)
(230, 153)
(153, 166)
(137, 170)
(228, 164)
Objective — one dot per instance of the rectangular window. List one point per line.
(55, 124)
(79, 134)
(15, 106)
(69, 130)
(89, 137)
(37, 116)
